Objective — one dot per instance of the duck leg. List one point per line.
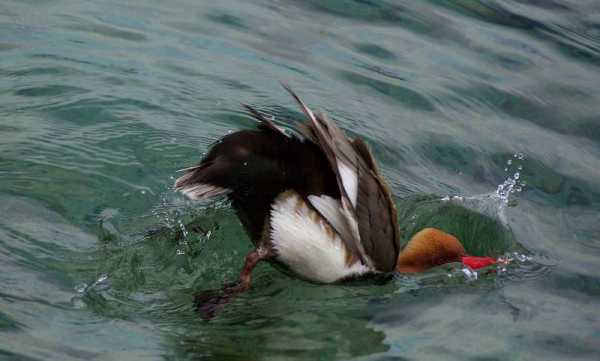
(209, 303)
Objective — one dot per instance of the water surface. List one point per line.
(101, 102)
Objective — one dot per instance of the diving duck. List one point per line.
(314, 201)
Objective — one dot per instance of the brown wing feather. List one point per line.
(263, 122)
(334, 144)
(374, 211)
(377, 215)
(365, 153)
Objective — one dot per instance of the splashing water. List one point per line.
(511, 265)
(171, 216)
(494, 204)
(183, 242)
(470, 275)
(102, 283)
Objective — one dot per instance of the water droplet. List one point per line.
(520, 167)
(517, 175)
(446, 198)
(180, 252)
(81, 288)
(469, 274)
(509, 162)
(522, 257)
(101, 283)
(183, 229)
(245, 164)
(102, 278)
(506, 169)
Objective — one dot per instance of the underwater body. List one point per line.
(483, 117)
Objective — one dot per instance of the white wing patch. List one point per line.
(330, 209)
(306, 243)
(349, 180)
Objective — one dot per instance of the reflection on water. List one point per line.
(483, 115)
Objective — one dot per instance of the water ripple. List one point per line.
(101, 102)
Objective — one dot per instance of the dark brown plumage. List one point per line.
(257, 165)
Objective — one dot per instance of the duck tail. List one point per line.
(239, 160)
(203, 181)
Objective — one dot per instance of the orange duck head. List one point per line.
(432, 247)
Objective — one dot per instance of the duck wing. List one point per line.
(376, 211)
(368, 223)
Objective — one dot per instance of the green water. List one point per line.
(101, 102)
